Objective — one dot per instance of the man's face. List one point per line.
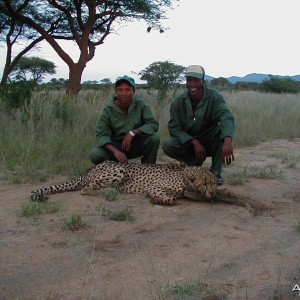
(194, 86)
(124, 93)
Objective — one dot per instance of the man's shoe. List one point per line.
(220, 180)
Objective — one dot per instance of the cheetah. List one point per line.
(163, 183)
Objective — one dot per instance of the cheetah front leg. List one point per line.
(163, 200)
(159, 195)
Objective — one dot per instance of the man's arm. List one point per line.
(119, 155)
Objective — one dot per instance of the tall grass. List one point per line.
(261, 117)
(53, 134)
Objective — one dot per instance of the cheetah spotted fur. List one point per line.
(163, 183)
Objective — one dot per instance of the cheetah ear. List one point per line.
(188, 178)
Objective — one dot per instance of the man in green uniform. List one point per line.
(200, 125)
(126, 128)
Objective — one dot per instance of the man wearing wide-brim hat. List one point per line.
(200, 125)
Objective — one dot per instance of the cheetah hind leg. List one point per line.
(159, 195)
(103, 181)
(92, 188)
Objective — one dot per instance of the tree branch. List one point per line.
(69, 17)
(11, 12)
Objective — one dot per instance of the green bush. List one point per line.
(280, 85)
(16, 94)
(73, 223)
(37, 208)
(65, 110)
(110, 194)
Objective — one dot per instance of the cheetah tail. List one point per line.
(40, 195)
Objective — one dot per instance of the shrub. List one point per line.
(110, 194)
(74, 222)
(16, 94)
(280, 85)
(37, 208)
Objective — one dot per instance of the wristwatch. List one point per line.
(131, 133)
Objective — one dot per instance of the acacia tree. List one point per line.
(35, 67)
(12, 31)
(220, 82)
(87, 22)
(162, 75)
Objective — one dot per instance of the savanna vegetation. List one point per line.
(86, 23)
(45, 133)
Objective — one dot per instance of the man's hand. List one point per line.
(127, 142)
(199, 150)
(227, 151)
(121, 157)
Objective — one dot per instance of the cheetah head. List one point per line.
(201, 180)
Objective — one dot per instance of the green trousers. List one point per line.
(212, 143)
(145, 146)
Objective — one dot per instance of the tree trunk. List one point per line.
(75, 74)
(4, 77)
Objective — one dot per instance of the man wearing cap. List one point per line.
(126, 128)
(200, 125)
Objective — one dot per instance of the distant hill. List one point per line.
(254, 77)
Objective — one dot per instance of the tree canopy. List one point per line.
(220, 82)
(33, 68)
(279, 85)
(12, 32)
(86, 22)
(161, 75)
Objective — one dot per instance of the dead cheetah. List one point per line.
(163, 183)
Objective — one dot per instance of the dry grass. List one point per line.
(53, 132)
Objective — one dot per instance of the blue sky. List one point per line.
(232, 37)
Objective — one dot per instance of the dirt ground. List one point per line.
(250, 252)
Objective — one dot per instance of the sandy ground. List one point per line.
(241, 252)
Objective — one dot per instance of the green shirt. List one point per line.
(115, 124)
(186, 124)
